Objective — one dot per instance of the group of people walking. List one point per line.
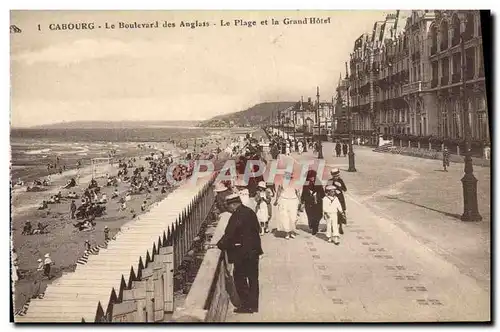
(341, 148)
(252, 217)
(286, 146)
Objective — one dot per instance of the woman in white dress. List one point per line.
(287, 200)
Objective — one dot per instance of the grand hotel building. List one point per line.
(405, 77)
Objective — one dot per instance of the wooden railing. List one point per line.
(208, 299)
(149, 293)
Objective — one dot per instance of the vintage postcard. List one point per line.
(250, 166)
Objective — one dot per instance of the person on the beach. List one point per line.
(47, 264)
(143, 206)
(72, 209)
(104, 198)
(40, 265)
(106, 233)
(87, 246)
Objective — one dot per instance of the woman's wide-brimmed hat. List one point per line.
(47, 255)
(330, 188)
(262, 185)
(233, 198)
(220, 187)
(335, 171)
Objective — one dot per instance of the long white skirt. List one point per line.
(287, 214)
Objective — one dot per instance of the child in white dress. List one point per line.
(263, 206)
(331, 205)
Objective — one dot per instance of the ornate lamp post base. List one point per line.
(469, 185)
(352, 164)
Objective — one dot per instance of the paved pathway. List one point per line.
(379, 273)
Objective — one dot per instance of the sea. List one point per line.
(33, 149)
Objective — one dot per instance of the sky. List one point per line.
(173, 73)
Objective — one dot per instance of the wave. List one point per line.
(37, 151)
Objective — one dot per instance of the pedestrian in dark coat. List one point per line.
(338, 149)
(241, 241)
(344, 149)
(312, 200)
(446, 159)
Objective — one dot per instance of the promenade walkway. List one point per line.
(378, 273)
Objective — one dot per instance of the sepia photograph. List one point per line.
(257, 166)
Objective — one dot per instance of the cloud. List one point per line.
(90, 49)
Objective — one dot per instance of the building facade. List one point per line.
(406, 77)
(339, 116)
(447, 75)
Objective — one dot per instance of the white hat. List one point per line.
(39, 260)
(330, 187)
(233, 198)
(220, 187)
(335, 171)
(105, 227)
(262, 185)
(47, 255)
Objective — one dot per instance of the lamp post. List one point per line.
(318, 121)
(469, 182)
(352, 163)
(294, 125)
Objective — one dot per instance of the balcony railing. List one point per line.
(416, 87)
(444, 45)
(445, 80)
(469, 74)
(455, 78)
(468, 34)
(481, 71)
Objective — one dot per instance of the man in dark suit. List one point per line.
(241, 240)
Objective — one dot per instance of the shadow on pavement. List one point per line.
(279, 234)
(452, 215)
(439, 170)
(303, 228)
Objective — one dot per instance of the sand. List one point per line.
(64, 242)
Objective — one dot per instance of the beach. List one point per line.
(64, 242)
